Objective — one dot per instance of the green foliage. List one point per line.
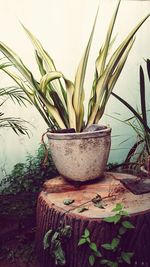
(91, 260)
(54, 240)
(114, 246)
(19, 200)
(60, 101)
(139, 121)
(16, 95)
(29, 176)
(68, 201)
(46, 239)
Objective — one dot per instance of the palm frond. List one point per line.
(15, 94)
(16, 124)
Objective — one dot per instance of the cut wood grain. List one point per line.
(51, 210)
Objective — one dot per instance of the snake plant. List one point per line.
(61, 101)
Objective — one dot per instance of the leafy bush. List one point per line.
(29, 176)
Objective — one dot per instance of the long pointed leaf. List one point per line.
(16, 61)
(101, 60)
(111, 66)
(49, 63)
(133, 111)
(31, 95)
(80, 76)
(113, 81)
(148, 67)
(70, 91)
(142, 93)
(71, 111)
(40, 63)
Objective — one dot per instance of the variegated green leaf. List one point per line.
(40, 63)
(101, 60)
(71, 111)
(111, 66)
(80, 76)
(113, 81)
(16, 61)
(48, 62)
(47, 78)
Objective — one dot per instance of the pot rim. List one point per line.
(82, 135)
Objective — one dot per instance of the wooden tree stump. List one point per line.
(51, 210)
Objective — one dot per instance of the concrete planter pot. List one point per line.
(81, 156)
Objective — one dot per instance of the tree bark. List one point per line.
(51, 210)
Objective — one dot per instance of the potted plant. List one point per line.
(61, 102)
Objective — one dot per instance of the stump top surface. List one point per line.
(109, 188)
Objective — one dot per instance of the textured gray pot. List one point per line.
(80, 156)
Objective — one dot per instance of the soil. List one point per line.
(17, 246)
(17, 231)
(18, 263)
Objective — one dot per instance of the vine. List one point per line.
(114, 246)
(54, 239)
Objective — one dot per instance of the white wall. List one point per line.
(63, 27)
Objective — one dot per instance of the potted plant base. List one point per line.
(81, 156)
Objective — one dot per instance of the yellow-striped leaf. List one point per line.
(80, 76)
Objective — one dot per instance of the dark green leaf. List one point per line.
(86, 233)
(115, 242)
(117, 218)
(68, 201)
(142, 93)
(107, 246)
(126, 256)
(133, 111)
(118, 207)
(46, 239)
(91, 260)
(122, 230)
(123, 213)
(104, 261)
(93, 246)
(109, 219)
(114, 264)
(148, 67)
(128, 225)
(98, 254)
(82, 241)
(109, 263)
(59, 253)
(82, 209)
